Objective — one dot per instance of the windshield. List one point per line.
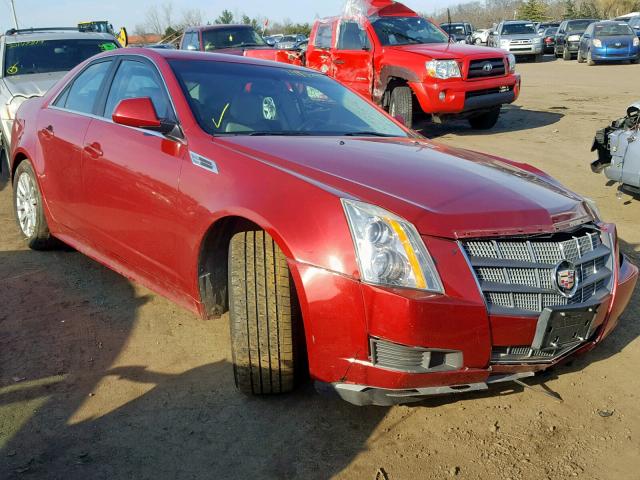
(44, 56)
(288, 38)
(612, 29)
(454, 29)
(407, 31)
(231, 38)
(518, 29)
(243, 99)
(578, 26)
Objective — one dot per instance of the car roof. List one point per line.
(516, 22)
(55, 35)
(169, 54)
(223, 26)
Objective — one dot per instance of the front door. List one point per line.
(130, 178)
(353, 58)
(319, 51)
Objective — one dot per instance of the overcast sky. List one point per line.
(129, 13)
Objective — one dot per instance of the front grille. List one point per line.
(518, 275)
(506, 355)
(479, 68)
(521, 42)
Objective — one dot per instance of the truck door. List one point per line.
(319, 51)
(353, 58)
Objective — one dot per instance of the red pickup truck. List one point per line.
(405, 63)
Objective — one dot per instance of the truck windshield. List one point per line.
(518, 29)
(244, 99)
(231, 38)
(612, 30)
(407, 31)
(44, 56)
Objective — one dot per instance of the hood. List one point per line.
(520, 36)
(35, 84)
(444, 192)
(447, 51)
(623, 40)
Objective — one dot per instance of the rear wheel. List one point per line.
(478, 41)
(486, 120)
(28, 209)
(590, 61)
(263, 315)
(566, 54)
(401, 104)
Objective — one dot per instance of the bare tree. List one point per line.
(157, 19)
(192, 16)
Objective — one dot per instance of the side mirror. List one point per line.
(140, 113)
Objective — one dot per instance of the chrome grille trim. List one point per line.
(515, 275)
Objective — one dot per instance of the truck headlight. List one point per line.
(597, 43)
(512, 62)
(12, 107)
(505, 43)
(573, 38)
(443, 69)
(389, 249)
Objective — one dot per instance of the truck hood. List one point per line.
(520, 36)
(448, 51)
(444, 192)
(31, 85)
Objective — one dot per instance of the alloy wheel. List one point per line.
(27, 205)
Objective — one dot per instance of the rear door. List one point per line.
(353, 58)
(130, 177)
(61, 130)
(319, 51)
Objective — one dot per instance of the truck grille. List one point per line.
(480, 69)
(518, 275)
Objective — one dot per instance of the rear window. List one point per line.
(44, 56)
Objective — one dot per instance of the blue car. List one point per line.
(609, 41)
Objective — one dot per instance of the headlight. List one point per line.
(512, 62)
(443, 69)
(592, 208)
(389, 249)
(636, 41)
(12, 107)
(505, 43)
(537, 40)
(573, 38)
(597, 43)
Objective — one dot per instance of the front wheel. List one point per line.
(263, 315)
(485, 121)
(590, 61)
(566, 54)
(580, 58)
(635, 61)
(538, 58)
(29, 210)
(401, 104)
(477, 41)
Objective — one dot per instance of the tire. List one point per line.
(263, 312)
(566, 54)
(634, 61)
(555, 52)
(28, 209)
(538, 58)
(485, 121)
(579, 57)
(477, 41)
(590, 61)
(401, 103)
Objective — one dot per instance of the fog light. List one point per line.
(442, 96)
(405, 358)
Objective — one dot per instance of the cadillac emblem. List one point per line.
(565, 278)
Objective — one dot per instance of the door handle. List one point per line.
(93, 150)
(47, 132)
(338, 61)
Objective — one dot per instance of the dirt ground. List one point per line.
(101, 379)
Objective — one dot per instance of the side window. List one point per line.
(136, 79)
(323, 36)
(191, 41)
(352, 37)
(81, 95)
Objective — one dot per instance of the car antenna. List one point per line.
(449, 20)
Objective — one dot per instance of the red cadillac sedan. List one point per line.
(389, 267)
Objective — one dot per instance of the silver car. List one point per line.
(517, 37)
(618, 148)
(34, 60)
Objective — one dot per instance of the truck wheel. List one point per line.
(590, 61)
(28, 209)
(538, 58)
(485, 121)
(263, 313)
(401, 103)
(566, 54)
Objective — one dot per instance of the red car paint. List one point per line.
(374, 72)
(135, 202)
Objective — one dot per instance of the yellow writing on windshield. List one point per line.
(13, 69)
(219, 122)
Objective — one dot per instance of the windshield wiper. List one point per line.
(367, 134)
(278, 133)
